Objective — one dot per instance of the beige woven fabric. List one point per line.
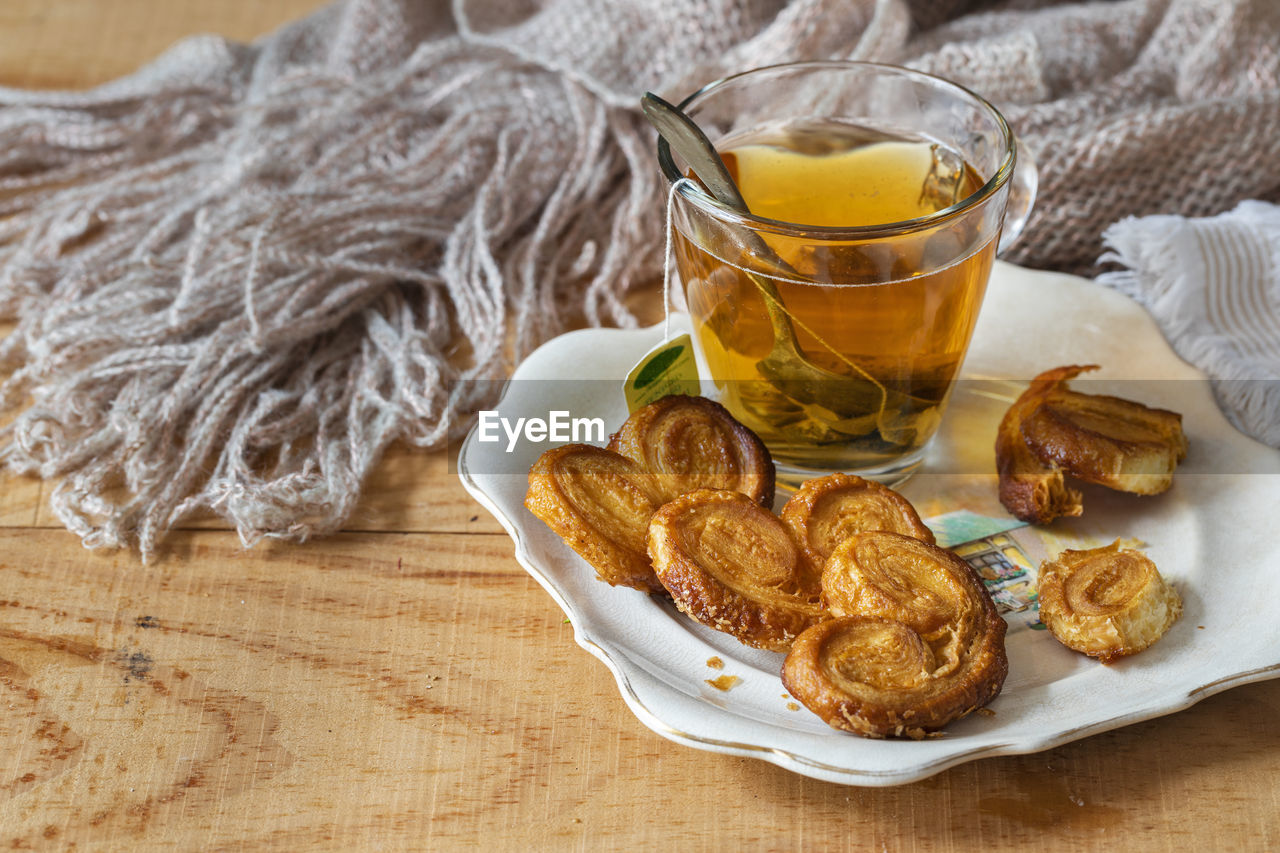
(239, 274)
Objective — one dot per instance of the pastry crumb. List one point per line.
(724, 682)
(986, 712)
(715, 663)
(793, 706)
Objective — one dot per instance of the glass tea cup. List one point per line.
(833, 318)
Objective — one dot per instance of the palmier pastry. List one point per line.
(830, 509)
(1110, 441)
(732, 565)
(916, 641)
(600, 504)
(1106, 602)
(693, 443)
(1031, 489)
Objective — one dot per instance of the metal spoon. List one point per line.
(853, 402)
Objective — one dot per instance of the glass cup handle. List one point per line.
(1022, 198)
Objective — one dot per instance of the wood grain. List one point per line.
(405, 685)
(72, 44)
(419, 690)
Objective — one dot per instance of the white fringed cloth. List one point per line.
(1213, 285)
(239, 274)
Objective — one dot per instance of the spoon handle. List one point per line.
(682, 134)
(786, 362)
(687, 138)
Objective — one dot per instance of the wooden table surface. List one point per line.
(406, 685)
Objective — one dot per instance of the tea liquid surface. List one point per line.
(891, 315)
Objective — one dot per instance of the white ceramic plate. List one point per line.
(1212, 535)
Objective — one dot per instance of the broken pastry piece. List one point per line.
(732, 565)
(693, 443)
(1110, 441)
(1106, 602)
(1051, 430)
(828, 510)
(1029, 488)
(916, 641)
(600, 504)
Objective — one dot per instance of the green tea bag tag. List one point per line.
(668, 368)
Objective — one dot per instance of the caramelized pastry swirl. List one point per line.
(732, 566)
(1106, 602)
(916, 643)
(600, 500)
(600, 504)
(693, 443)
(828, 510)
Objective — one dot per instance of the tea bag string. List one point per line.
(669, 226)
(666, 280)
(768, 297)
(666, 257)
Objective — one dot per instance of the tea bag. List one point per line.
(806, 423)
(946, 178)
(905, 418)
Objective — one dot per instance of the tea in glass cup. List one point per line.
(833, 319)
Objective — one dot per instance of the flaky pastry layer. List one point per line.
(731, 565)
(1106, 602)
(600, 500)
(828, 510)
(915, 641)
(1117, 443)
(1051, 430)
(691, 443)
(1030, 488)
(599, 503)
